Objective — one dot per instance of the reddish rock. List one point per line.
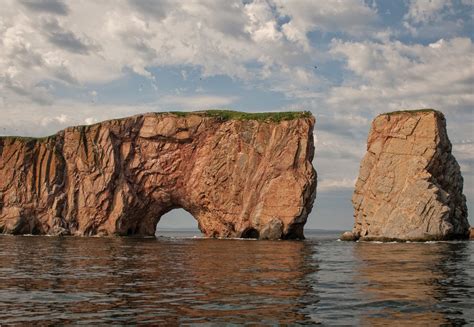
(237, 177)
(471, 233)
(409, 185)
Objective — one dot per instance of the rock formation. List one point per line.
(238, 174)
(348, 236)
(409, 185)
(471, 233)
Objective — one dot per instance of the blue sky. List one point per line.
(64, 63)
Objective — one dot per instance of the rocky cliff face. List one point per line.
(409, 185)
(239, 177)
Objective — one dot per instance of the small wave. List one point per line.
(243, 239)
(412, 242)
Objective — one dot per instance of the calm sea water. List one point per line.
(176, 279)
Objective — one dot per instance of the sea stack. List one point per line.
(238, 174)
(409, 186)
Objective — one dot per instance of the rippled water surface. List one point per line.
(178, 280)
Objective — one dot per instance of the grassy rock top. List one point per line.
(239, 115)
(412, 112)
(220, 114)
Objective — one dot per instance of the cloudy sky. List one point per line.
(64, 63)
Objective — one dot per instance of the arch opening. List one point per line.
(250, 233)
(177, 223)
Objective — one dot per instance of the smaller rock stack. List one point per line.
(409, 185)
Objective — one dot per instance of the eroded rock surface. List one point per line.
(348, 236)
(237, 177)
(409, 185)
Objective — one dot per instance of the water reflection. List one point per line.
(253, 281)
(96, 281)
(415, 284)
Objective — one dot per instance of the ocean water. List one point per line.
(177, 279)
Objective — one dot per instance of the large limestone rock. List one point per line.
(237, 174)
(409, 185)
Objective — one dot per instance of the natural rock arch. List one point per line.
(232, 171)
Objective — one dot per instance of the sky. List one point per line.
(65, 63)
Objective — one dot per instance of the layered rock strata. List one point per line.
(410, 185)
(237, 174)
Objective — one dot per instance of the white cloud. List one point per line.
(394, 75)
(423, 11)
(96, 42)
(36, 120)
(431, 18)
(90, 120)
(60, 119)
(464, 153)
(197, 102)
(354, 17)
(333, 184)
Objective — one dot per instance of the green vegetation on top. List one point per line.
(415, 111)
(220, 114)
(239, 115)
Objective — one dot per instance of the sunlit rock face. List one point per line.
(236, 176)
(409, 185)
